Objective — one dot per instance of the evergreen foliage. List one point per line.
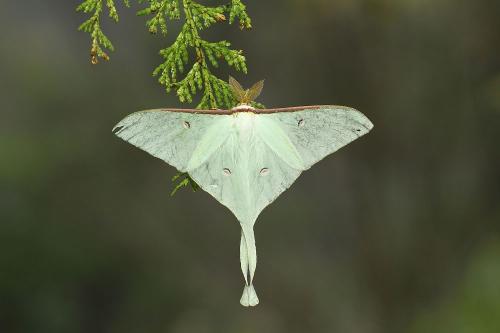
(183, 180)
(93, 26)
(188, 45)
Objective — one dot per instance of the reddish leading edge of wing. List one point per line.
(228, 112)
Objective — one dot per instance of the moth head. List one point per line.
(245, 96)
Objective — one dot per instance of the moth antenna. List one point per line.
(245, 96)
(236, 89)
(255, 91)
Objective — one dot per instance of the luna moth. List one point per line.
(244, 157)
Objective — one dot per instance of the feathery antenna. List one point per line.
(245, 96)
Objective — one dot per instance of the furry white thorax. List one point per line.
(243, 107)
(244, 121)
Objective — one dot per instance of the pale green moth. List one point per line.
(244, 157)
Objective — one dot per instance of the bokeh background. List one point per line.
(398, 232)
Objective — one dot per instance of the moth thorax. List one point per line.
(243, 106)
(244, 121)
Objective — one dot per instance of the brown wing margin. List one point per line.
(258, 111)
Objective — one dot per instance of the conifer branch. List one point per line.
(200, 55)
(197, 17)
(93, 26)
(238, 10)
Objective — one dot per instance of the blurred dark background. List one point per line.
(398, 232)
